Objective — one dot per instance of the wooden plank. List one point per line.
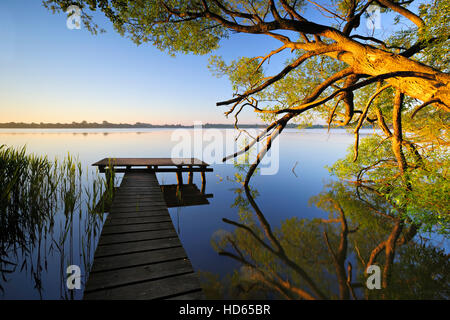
(137, 196)
(140, 184)
(111, 221)
(136, 246)
(139, 181)
(142, 194)
(144, 214)
(132, 193)
(126, 183)
(138, 204)
(146, 198)
(137, 208)
(128, 228)
(137, 236)
(150, 200)
(139, 192)
(136, 182)
(137, 258)
(157, 289)
(144, 162)
(142, 209)
(131, 275)
(159, 169)
(134, 176)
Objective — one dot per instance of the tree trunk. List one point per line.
(372, 61)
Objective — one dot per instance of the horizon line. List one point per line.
(106, 125)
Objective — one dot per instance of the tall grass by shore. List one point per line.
(47, 206)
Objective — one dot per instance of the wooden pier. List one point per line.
(139, 254)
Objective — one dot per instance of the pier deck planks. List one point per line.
(139, 254)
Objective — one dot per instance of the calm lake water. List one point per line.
(284, 202)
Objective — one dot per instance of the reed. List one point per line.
(48, 207)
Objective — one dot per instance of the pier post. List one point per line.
(179, 176)
(203, 180)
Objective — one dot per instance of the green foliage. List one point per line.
(149, 21)
(421, 195)
(435, 34)
(436, 17)
(243, 73)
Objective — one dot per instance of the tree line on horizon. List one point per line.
(140, 125)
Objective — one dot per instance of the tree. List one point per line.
(336, 71)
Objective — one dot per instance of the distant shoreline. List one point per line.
(107, 125)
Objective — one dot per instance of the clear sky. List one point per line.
(49, 73)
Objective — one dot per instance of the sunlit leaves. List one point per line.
(420, 196)
(243, 73)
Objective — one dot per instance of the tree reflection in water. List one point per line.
(327, 258)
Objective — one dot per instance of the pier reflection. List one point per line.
(184, 195)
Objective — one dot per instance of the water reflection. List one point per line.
(282, 198)
(185, 195)
(326, 258)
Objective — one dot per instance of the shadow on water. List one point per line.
(50, 218)
(185, 195)
(327, 258)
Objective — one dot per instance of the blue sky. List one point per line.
(50, 73)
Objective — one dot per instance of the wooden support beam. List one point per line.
(203, 188)
(180, 177)
(123, 170)
(203, 177)
(203, 180)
